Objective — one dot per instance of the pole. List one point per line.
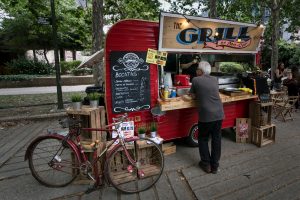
(56, 58)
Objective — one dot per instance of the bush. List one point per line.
(82, 71)
(67, 67)
(22, 65)
(231, 67)
(19, 77)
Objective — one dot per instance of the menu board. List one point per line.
(130, 81)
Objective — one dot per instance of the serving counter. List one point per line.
(181, 115)
(181, 102)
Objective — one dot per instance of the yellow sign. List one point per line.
(180, 33)
(156, 57)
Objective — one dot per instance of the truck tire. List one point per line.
(192, 139)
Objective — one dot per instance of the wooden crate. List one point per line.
(260, 113)
(120, 163)
(243, 130)
(168, 148)
(263, 135)
(91, 118)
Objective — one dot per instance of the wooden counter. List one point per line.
(180, 103)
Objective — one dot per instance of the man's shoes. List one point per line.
(205, 167)
(214, 170)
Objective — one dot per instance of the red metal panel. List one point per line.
(132, 35)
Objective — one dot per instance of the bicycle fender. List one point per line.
(70, 142)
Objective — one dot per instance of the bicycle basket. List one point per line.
(157, 114)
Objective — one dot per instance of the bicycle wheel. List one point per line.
(138, 176)
(52, 162)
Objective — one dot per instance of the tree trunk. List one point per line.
(74, 54)
(275, 37)
(97, 39)
(212, 9)
(34, 55)
(62, 54)
(45, 56)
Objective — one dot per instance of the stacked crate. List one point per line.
(90, 118)
(263, 131)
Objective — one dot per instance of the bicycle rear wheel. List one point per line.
(53, 162)
(138, 176)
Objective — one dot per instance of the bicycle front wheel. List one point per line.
(53, 162)
(138, 170)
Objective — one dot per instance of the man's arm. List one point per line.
(187, 65)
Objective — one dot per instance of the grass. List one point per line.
(8, 101)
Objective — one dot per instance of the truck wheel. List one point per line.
(192, 139)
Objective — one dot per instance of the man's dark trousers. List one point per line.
(214, 129)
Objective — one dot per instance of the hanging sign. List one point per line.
(156, 57)
(181, 33)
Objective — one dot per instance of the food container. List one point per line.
(182, 80)
(182, 90)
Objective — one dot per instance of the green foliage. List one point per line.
(94, 96)
(76, 98)
(141, 130)
(82, 71)
(137, 9)
(231, 67)
(295, 59)
(22, 65)
(19, 77)
(67, 66)
(22, 29)
(153, 127)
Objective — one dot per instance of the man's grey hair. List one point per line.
(205, 67)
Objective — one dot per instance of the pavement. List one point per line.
(41, 90)
(246, 171)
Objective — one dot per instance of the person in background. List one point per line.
(292, 85)
(279, 73)
(205, 90)
(189, 64)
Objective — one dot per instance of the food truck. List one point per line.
(133, 81)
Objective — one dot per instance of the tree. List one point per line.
(98, 39)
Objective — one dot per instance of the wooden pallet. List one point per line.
(263, 135)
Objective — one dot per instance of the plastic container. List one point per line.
(182, 80)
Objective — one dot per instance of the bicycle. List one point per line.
(132, 164)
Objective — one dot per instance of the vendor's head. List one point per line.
(281, 66)
(203, 68)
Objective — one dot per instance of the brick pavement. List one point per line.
(247, 172)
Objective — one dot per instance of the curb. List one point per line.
(34, 117)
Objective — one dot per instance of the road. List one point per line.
(41, 90)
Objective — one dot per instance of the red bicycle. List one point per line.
(131, 164)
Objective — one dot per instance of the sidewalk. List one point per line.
(247, 172)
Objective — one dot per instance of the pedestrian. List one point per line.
(189, 64)
(279, 73)
(205, 90)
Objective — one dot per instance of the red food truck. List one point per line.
(132, 85)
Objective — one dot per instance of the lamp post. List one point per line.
(56, 58)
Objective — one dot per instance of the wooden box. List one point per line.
(168, 148)
(243, 130)
(119, 167)
(260, 113)
(263, 135)
(91, 118)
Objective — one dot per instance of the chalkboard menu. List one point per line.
(130, 81)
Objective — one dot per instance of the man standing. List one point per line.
(189, 64)
(205, 90)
